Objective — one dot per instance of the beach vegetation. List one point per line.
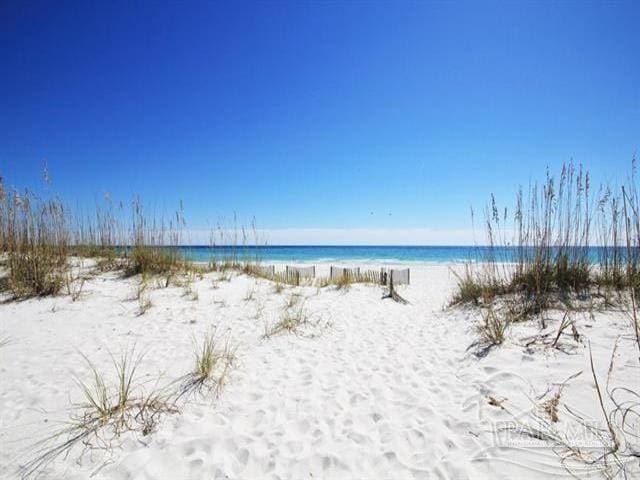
(562, 241)
(250, 294)
(291, 320)
(140, 288)
(144, 304)
(612, 446)
(141, 295)
(39, 234)
(34, 237)
(188, 289)
(213, 363)
(492, 329)
(108, 410)
(293, 300)
(74, 285)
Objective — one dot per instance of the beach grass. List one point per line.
(542, 250)
(291, 320)
(34, 236)
(107, 411)
(214, 360)
(39, 234)
(493, 327)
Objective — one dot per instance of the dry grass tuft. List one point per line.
(606, 449)
(74, 286)
(107, 412)
(293, 300)
(290, 321)
(550, 407)
(141, 295)
(144, 304)
(250, 295)
(140, 288)
(187, 287)
(212, 365)
(491, 331)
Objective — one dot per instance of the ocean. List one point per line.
(373, 254)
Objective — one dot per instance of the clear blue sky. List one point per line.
(316, 114)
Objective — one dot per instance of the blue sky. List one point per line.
(387, 117)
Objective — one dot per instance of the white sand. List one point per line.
(377, 390)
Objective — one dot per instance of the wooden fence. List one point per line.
(265, 270)
(336, 273)
(303, 275)
(295, 275)
(354, 275)
(399, 276)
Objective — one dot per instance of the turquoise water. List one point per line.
(380, 254)
(333, 253)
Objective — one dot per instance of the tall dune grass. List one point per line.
(154, 244)
(39, 233)
(544, 249)
(34, 235)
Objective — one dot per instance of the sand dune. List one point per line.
(369, 389)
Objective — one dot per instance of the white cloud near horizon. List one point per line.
(339, 236)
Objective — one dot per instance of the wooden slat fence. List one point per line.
(265, 270)
(343, 272)
(293, 275)
(400, 276)
(354, 275)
